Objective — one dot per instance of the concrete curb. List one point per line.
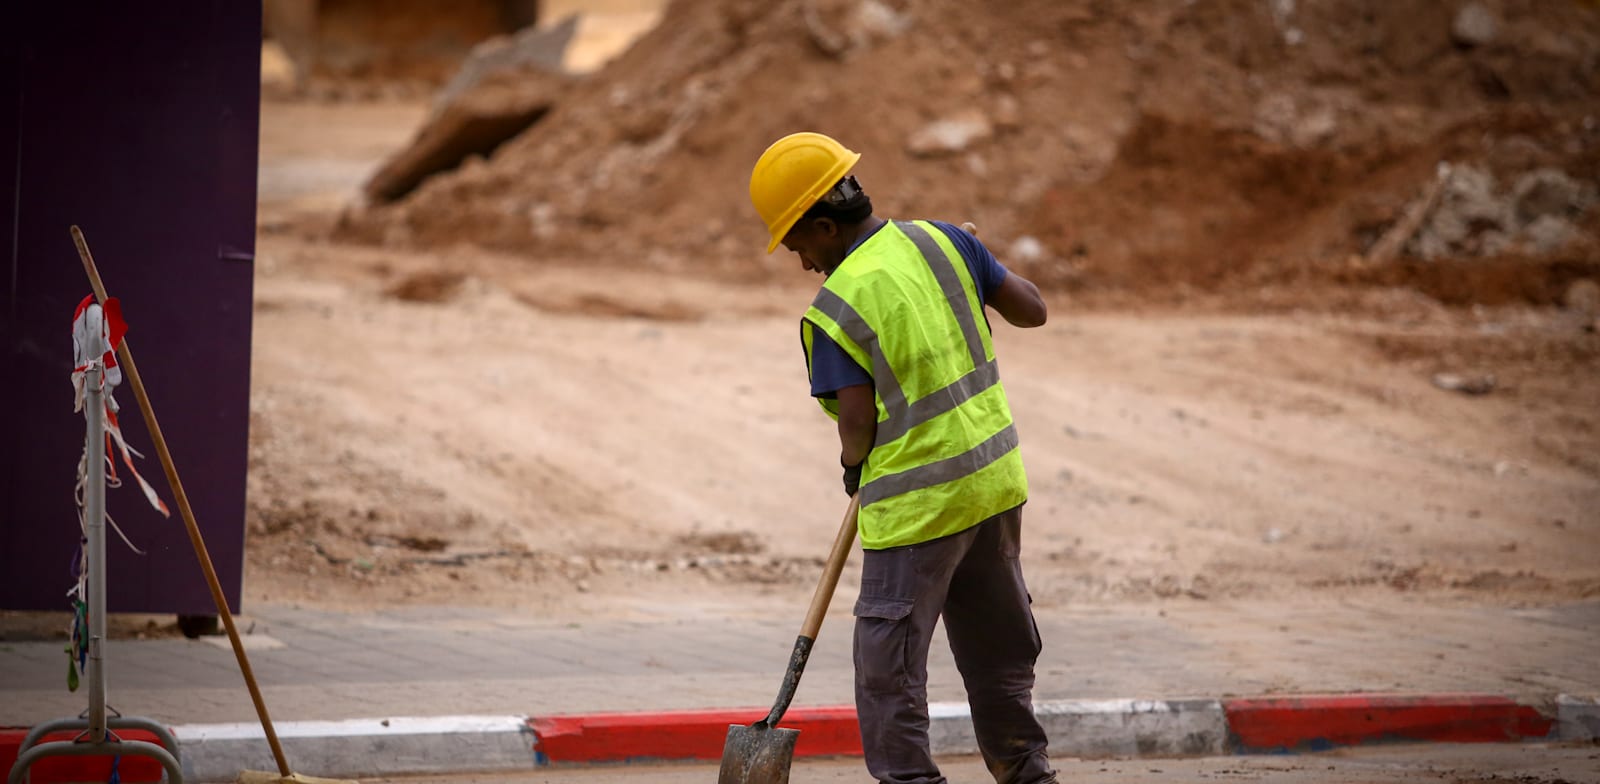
(1077, 728)
(360, 747)
(1579, 718)
(1319, 723)
(1107, 728)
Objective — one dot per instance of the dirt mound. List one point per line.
(1159, 148)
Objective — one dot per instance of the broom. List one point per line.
(131, 372)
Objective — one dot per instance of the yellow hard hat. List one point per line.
(792, 175)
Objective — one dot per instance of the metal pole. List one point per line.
(94, 502)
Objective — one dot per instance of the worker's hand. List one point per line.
(852, 477)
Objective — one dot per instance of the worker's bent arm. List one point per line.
(858, 423)
(1018, 301)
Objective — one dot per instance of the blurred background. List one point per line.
(1324, 278)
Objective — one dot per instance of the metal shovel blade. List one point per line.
(757, 754)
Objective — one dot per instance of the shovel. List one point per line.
(762, 752)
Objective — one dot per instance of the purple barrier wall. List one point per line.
(137, 122)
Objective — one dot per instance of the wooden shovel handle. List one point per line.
(842, 543)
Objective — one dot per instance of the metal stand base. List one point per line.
(30, 753)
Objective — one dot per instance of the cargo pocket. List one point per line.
(881, 654)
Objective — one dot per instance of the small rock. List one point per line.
(950, 135)
(1272, 536)
(878, 21)
(1466, 385)
(1027, 248)
(841, 29)
(1474, 25)
(1286, 119)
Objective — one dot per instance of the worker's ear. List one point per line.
(827, 226)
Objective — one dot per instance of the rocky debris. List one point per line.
(1550, 193)
(1398, 235)
(1469, 219)
(844, 28)
(1474, 217)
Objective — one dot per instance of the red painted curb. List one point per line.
(684, 735)
(131, 769)
(1270, 724)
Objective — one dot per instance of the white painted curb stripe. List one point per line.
(360, 747)
(1101, 728)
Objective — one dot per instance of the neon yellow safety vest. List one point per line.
(904, 306)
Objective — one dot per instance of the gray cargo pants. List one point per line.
(974, 580)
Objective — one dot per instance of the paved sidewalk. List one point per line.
(319, 665)
(453, 690)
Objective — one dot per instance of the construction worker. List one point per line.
(899, 352)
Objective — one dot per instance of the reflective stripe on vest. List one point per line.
(884, 480)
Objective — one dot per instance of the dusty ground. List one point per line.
(453, 425)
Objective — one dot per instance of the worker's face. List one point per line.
(819, 244)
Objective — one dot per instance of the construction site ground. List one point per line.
(592, 437)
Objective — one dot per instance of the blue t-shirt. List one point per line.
(832, 369)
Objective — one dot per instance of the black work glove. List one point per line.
(852, 477)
